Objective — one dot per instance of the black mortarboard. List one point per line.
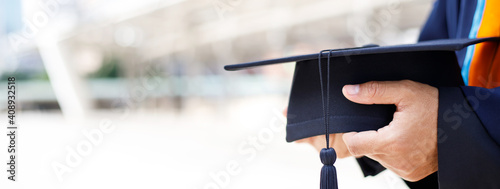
(430, 62)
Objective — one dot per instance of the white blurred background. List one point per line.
(150, 73)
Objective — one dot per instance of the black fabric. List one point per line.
(463, 145)
(305, 118)
(434, 45)
(429, 182)
(369, 167)
(467, 155)
(450, 19)
(430, 62)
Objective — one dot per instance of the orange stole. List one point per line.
(485, 66)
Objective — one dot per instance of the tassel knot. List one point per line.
(328, 156)
(328, 172)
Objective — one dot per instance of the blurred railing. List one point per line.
(38, 94)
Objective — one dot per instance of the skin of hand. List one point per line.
(408, 145)
(336, 142)
(319, 142)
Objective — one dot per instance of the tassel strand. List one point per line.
(327, 155)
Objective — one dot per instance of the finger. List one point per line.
(362, 143)
(378, 92)
(285, 111)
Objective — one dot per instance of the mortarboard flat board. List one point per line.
(431, 62)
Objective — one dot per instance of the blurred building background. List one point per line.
(156, 66)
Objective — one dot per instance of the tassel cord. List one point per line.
(326, 106)
(327, 155)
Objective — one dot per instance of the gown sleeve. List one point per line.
(468, 137)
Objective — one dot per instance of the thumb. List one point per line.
(377, 92)
(362, 143)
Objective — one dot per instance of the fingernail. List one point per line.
(352, 89)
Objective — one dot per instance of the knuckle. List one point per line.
(352, 149)
(374, 88)
(394, 148)
(399, 146)
(393, 144)
(403, 171)
(407, 82)
(408, 87)
(408, 170)
(412, 177)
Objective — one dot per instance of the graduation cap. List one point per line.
(317, 105)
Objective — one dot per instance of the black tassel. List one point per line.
(328, 156)
(328, 172)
